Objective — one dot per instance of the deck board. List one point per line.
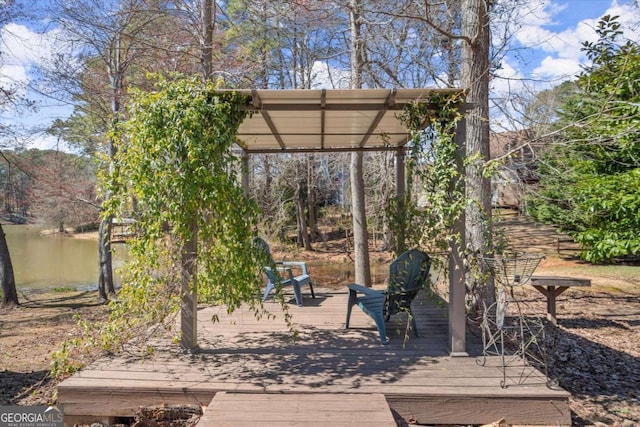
(241, 355)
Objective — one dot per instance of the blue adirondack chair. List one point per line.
(407, 275)
(277, 269)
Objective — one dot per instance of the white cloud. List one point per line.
(41, 141)
(24, 138)
(539, 29)
(557, 68)
(12, 79)
(533, 17)
(506, 87)
(17, 51)
(505, 77)
(22, 47)
(23, 52)
(326, 76)
(547, 50)
(629, 17)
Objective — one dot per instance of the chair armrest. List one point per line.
(364, 290)
(287, 270)
(300, 264)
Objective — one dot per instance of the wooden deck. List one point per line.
(240, 355)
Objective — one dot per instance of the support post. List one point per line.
(189, 309)
(245, 173)
(401, 181)
(401, 189)
(457, 287)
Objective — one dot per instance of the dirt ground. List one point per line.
(594, 351)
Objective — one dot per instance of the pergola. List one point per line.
(328, 120)
(343, 120)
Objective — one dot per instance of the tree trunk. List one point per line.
(359, 213)
(303, 235)
(105, 260)
(475, 79)
(189, 279)
(9, 292)
(401, 195)
(268, 180)
(311, 198)
(207, 10)
(360, 234)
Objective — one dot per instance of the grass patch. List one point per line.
(63, 289)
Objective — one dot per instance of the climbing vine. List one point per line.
(431, 160)
(177, 177)
(432, 164)
(437, 164)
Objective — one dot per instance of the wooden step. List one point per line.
(309, 410)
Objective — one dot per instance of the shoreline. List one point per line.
(57, 289)
(69, 232)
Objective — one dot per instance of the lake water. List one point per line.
(50, 261)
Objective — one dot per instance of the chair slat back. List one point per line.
(407, 275)
(263, 246)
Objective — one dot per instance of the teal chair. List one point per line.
(277, 269)
(407, 275)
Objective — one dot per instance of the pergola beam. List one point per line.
(256, 102)
(329, 107)
(389, 103)
(318, 150)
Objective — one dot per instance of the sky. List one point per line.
(552, 34)
(544, 49)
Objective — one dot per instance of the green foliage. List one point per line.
(63, 363)
(177, 165)
(63, 289)
(438, 165)
(432, 159)
(589, 181)
(175, 175)
(609, 206)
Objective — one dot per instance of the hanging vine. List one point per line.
(437, 164)
(176, 176)
(431, 160)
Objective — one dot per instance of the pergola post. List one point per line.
(401, 184)
(189, 309)
(457, 287)
(245, 172)
(400, 174)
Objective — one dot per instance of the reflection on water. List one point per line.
(337, 275)
(52, 261)
(332, 274)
